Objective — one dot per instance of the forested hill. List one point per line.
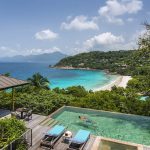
(122, 62)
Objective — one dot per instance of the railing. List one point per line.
(24, 142)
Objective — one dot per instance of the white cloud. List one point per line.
(80, 23)
(114, 20)
(7, 51)
(103, 39)
(36, 51)
(46, 35)
(115, 8)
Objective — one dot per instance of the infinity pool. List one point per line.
(124, 127)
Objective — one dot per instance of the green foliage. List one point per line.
(77, 91)
(10, 129)
(141, 84)
(40, 101)
(114, 61)
(144, 40)
(7, 74)
(119, 100)
(46, 101)
(38, 81)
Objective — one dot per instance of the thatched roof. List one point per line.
(8, 82)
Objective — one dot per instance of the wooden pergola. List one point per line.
(8, 82)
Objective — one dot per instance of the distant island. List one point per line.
(51, 58)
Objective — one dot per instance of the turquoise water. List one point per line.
(130, 128)
(57, 77)
(108, 145)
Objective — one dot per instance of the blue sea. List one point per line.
(90, 79)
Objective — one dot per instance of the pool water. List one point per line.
(124, 127)
(108, 145)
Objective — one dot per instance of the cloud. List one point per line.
(80, 23)
(7, 51)
(115, 8)
(103, 39)
(36, 51)
(46, 35)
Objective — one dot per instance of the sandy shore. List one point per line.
(121, 81)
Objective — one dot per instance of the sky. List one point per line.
(70, 26)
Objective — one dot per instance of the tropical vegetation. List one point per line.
(38, 81)
(10, 130)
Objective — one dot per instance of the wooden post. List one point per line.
(13, 101)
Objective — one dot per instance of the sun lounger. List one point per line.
(79, 141)
(52, 136)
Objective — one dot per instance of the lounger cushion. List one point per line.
(81, 137)
(56, 130)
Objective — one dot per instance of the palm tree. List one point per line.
(39, 81)
(7, 74)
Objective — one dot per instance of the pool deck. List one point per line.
(41, 124)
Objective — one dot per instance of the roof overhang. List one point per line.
(8, 82)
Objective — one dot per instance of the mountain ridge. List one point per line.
(51, 58)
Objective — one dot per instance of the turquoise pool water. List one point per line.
(124, 127)
(108, 145)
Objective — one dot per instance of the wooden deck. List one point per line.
(38, 130)
(40, 125)
(60, 145)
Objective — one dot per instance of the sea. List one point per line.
(90, 79)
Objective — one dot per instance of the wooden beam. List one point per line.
(13, 100)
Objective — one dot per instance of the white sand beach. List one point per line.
(121, 81)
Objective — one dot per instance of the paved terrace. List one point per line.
(41, 124)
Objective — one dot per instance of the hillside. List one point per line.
(112, 61)
(51, 58)
(122, 62)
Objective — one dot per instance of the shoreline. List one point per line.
(73, 68)
(121, 81)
